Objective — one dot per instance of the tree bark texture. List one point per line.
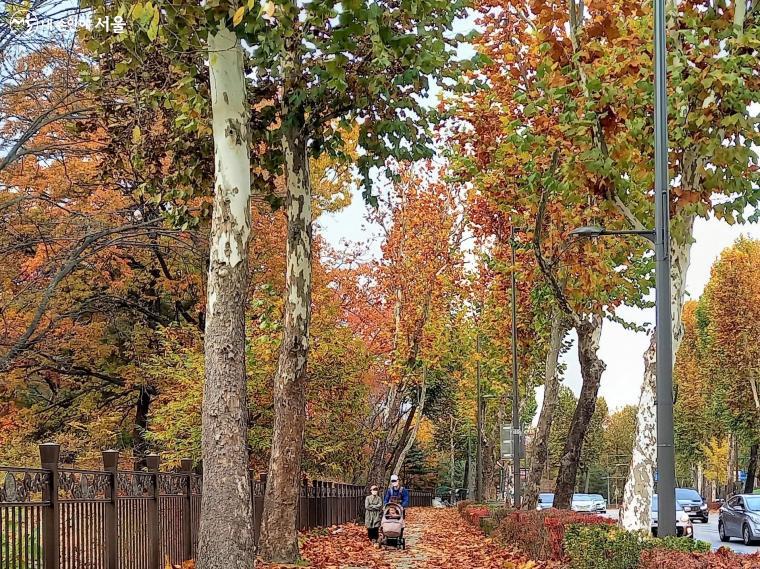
(410, 437)
(226, 524)
(540, 451)
(279, 535)
(749, 484)
(589, 333)
(639, 487)
(142, 409)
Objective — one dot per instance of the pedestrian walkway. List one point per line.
(436, 538)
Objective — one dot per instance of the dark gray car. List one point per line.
(740, 517)
(693, 504)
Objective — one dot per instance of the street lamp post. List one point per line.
(515, 391)
(666, 468)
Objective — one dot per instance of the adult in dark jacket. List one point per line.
(397, 493)
(373, 513)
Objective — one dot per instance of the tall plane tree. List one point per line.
(226, 524)
(590, 65)
(325, 65)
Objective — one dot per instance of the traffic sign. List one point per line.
(506, 442)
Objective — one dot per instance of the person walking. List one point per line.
(397, 493)
(373, 513)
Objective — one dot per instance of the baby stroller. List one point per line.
(392, 526)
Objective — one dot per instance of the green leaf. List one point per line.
(153, 29)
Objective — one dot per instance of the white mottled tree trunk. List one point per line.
(637, 496)
(226, 524)
(279, 535)
(540, 448)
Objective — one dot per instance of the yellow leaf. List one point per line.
(137, 11)
(238, 17)
(267, 8)
(136, 135)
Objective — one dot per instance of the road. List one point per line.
(709, 532)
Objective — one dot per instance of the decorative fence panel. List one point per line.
(63, 518)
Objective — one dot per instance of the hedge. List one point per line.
(610, 547)
(540, 534)
(722, 559)
(585, 541)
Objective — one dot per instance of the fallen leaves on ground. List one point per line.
(338, 547)
(452, 543)
(436, 539)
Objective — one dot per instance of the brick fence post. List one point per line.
(111, 465)
(153, 461)
(186, 465)
(51, 514)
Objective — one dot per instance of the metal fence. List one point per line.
(62, 518)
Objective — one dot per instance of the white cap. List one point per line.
(394, 478)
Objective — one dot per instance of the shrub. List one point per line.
(474, 513)
(602, 547)
(488, 525)
(724, 558)
(672, 543)
(499, 514)
(463, 505)
(540, 534)
(610, 547)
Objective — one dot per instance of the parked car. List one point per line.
(684, 527)
(740, 517)
(591, 503)
(600, 504)
(693, 504)
(545, 501)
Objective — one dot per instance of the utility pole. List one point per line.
(479, 427)
(666, 467)
(516, 431)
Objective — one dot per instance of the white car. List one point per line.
(545, 501)
(591, 503)
(684, 527)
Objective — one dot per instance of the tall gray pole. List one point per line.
(666, 470)
(479, 428)
(515, 392)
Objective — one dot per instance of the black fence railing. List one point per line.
(63, 518)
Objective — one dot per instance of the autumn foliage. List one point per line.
(541, 534)
(437, 539)
(724, 558)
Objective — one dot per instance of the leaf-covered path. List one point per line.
(436, 538)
